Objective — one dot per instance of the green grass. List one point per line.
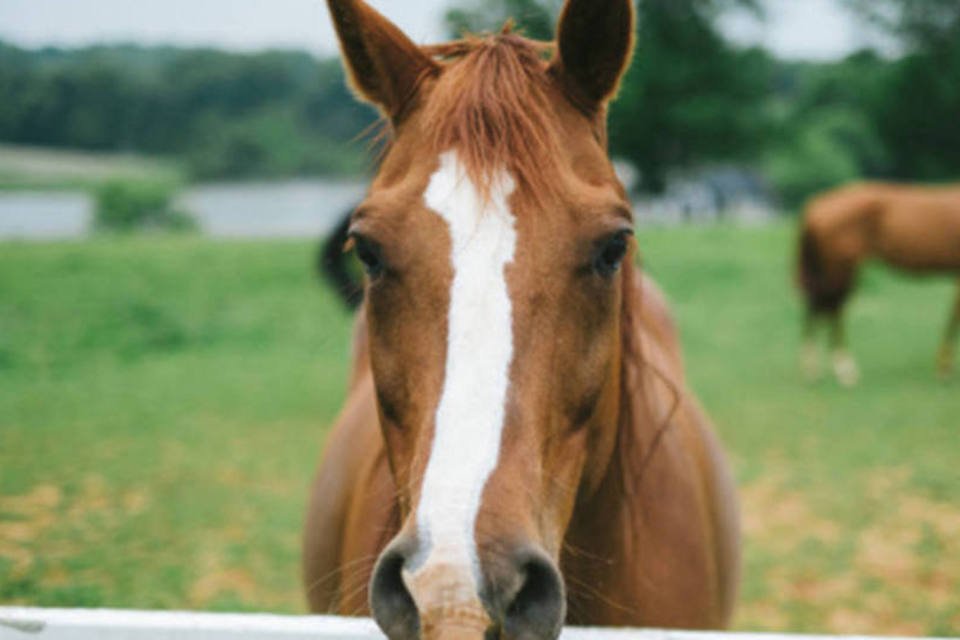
(174, 393)
(163, 402)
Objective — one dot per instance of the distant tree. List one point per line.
(227, 115)
(918, 113)
(689, 97)
(536, 18)
(825, 131)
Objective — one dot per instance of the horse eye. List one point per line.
(369, 254)
(610, 254)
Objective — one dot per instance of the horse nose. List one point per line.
(526, 595)
(522, 592)
(391, 603)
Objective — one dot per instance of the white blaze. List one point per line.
(470, 414)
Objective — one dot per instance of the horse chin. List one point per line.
(461, 625)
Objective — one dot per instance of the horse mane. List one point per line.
(640, 432)
(491, 103)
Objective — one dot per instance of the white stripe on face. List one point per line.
(470, 414)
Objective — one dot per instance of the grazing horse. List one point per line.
(915, 229)
(518, 448)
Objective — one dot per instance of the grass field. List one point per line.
(163, 402)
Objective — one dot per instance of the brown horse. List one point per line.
(518, 448)
(916, 229)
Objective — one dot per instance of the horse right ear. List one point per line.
(384, 66)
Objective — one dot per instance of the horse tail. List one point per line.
(332, 263)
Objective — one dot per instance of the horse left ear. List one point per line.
(384, 66)
(594, 44)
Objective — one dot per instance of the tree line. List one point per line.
(222, 114)
(691, 98)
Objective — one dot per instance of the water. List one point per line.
(291, 209)
(302, 208)
(44, 216)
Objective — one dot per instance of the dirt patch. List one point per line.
(782, 518)
(849, 621)
(135, 501)
(762, 616)
(41, 498)
(895, 572)
(23, 520)
(54, 525)
(888, 553)
(217, 581)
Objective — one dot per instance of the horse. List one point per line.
(911, 228)
(518, 449)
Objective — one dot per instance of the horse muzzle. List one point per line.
(519, 597)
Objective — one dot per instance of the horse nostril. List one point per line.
(390, 601)
(538, 608)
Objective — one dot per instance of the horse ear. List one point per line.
(594, 43)
(384, 66)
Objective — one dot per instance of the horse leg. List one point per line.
(844, 366)
(945, 361)
(810, 352)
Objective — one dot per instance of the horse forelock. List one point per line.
(492, 105)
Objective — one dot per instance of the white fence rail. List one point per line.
(18, 623)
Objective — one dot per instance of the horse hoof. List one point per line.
(846, 371)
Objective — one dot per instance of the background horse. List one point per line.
(916, 229)
(518, 447)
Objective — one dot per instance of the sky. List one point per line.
(810, 29)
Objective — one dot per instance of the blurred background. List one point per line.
(169, 363)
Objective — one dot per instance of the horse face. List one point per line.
(494, 239)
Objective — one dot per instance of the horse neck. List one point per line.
(635, 415)
(649, 395)
(618, 483)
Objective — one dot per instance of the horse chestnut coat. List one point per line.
(518, 449)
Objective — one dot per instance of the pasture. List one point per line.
(163, 402)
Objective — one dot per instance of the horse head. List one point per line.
(496, 240)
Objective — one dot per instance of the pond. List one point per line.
(289, 209)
